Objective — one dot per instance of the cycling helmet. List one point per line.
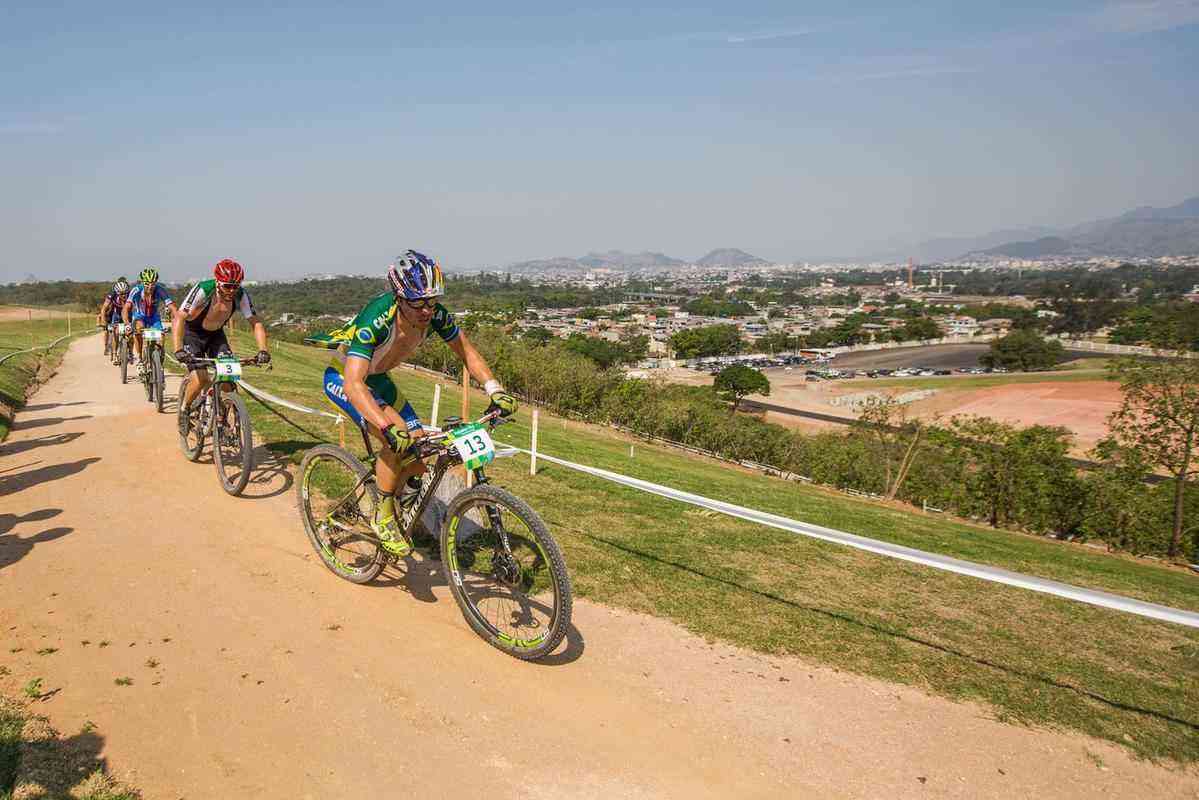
(121, 287)
(415, 276)
(228, 271)
(148, 275)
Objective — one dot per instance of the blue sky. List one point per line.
(327, 137)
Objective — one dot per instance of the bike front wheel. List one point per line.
(337, 500)
(232, 442)
(506, 572)
(123, 357)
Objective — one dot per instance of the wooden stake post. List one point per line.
(533, 447)
(436, 403)
(467, 475)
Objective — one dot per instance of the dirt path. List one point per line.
(257, 673)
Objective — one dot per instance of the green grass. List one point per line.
(18, 372)
(1028, 657)
(49, 766)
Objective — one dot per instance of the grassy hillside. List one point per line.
(19, 371)
(1028, 657)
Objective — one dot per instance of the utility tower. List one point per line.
(911, 271)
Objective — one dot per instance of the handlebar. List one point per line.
(431, 444)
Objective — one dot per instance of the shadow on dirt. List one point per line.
(270, 476)
(13, 548)
(10, 521)
(48, 406)
(27, 424)
(12, 448)
(33, 477)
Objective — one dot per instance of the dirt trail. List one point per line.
(257, 673)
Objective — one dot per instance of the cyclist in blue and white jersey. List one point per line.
(143, 306)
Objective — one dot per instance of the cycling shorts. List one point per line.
(208, 344)
(147, 320)
(383, 390)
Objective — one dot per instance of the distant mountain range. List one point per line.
(1144, 231)
(632, 262)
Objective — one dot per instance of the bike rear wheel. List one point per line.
(337, 498)
(232, 442)
(517, 598)
(157, 378)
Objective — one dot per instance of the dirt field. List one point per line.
(18, 313)
(256, 673)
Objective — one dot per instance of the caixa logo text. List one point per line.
(336, 390)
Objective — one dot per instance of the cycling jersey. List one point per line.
(145, 306)
(116, 302)
(201, 296)
(372, 333)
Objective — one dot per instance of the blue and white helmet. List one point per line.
(415, 276)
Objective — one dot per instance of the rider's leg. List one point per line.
(197, 383)
(390, 471)
(137, 338)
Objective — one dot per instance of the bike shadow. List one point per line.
(270, 475)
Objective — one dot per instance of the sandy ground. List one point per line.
(11, 313)
(1081, 406)
(257, 673)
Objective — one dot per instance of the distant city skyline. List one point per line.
(314, 139)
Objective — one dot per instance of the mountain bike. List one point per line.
(124, 349)
(153, 378)
(226, 419)
(505, 570)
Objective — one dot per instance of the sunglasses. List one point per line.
(227, 285)
(423, 305)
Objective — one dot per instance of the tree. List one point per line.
(711, 340)
(1159, 418)
(895, 438)
(1023, 350)
(538, 335)
(921, 328)
(735, 382)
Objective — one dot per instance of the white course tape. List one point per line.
(994, 574)
(279, 401)
(39, 347)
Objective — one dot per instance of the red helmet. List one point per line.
(228, 271)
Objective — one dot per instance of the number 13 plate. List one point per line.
(474, 444)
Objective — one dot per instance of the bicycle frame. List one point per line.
(434, 474)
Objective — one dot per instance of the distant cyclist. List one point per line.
(199, 329)
(112, 306)
(142, 308)
(388, 330)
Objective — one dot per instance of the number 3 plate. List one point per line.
(152, 335)
(227, 369)
(474, 444)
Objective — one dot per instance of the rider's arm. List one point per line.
(471, 358)
(356, 371)
(259, 332)
(125, 311)
(177, 332)
(104, 309)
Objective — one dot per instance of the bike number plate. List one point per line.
(152, 335)
(474, 444)
(227, 370)
(123, 328)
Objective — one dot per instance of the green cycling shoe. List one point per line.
(388, 531)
